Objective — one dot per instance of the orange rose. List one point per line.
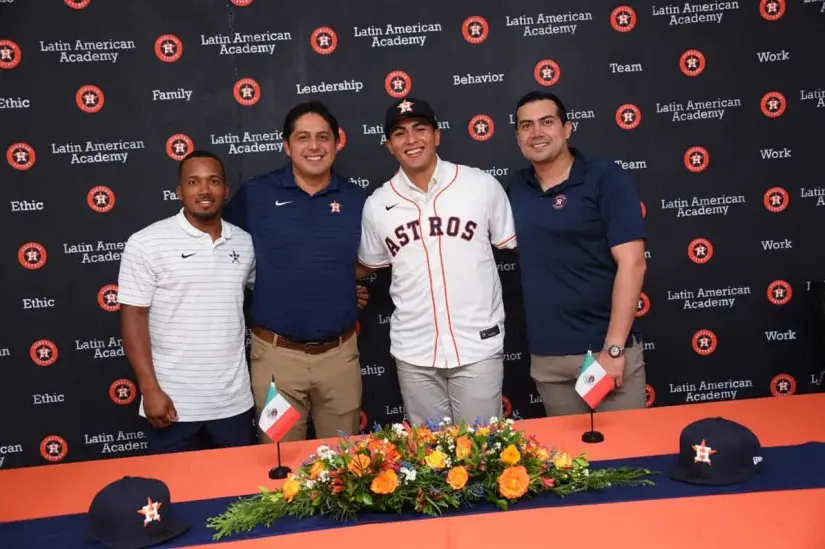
(513, 482)
(384, 448)
(317, 468)
(436, 460)
(291, 489)
(463, 447)
(359, 465)
(385, 483)
(510, 455)
(457, 477)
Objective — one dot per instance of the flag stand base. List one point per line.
(279, 472)
(592, 437)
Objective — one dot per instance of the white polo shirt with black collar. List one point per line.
(194, 289)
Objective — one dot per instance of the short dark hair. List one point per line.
(310, 107)
(542, 96)
(202, 154)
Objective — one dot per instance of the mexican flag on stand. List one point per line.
(278, 415)
(593, 383)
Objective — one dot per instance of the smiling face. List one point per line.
(413, 142)
(311, 146)
(540, 133)
(202, 188)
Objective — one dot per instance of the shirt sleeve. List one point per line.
(137, 278)
(250, 280)
(502, 226)
(372, 251)
(236, 210)
(620, 208)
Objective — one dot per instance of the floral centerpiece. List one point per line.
(426, 469)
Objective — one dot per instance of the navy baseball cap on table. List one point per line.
(409, 107)
(133, 513)
(716, 451)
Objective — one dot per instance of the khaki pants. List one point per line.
(555, 378)
(327, 384)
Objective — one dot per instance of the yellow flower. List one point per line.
(483, 431)
(562, 461)
(436, 460)
(385, 483)
(463, 447)
(317, 468)
(457, 477)
(510, 455)
(291, 489)
(359, 465)
(543, 454)
(513, 482)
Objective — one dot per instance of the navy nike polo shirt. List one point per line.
(306, 249)
(564, 240)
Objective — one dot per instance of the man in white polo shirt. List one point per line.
(181, 286)
(435, 223)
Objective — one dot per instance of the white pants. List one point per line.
(468, 392)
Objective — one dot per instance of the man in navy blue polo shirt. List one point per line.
(305, 223)
(581, 255)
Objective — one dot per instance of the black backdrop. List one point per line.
(715, 109)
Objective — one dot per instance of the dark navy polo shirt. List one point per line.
(564, 240)
(306, 249)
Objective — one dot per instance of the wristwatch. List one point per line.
(615, 351)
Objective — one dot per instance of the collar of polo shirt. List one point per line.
(191, 230)
(437, 178)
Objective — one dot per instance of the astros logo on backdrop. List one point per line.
(643, 307)
(242, 3)
(506, 407)
(247, 92)
(692, 63)
(783, 385)
(54, 448)
(475, 29)
(773, 104)
(628, 116)
(178, 146)
(704, 342)
(89, 99)
(101, 199)
(398, 84)
(77, 4)
(363, 425)
(43, 352)
(324, 40)
(168, 48)
(122, 391)
(696, 159)
(650, 396)
(623, 19)
(547, 72)
(700, 250)
(10, 54)
(107, 298)
(481, 127)
(771, 10)
(20, 156)
(32, 255)
(776, 199)
(644, 210)
(779, 292)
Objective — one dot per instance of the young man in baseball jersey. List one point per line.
(434, 223)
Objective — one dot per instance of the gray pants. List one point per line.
(467, 392)
(555, 378)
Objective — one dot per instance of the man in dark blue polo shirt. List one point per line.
(581, 255)
(305, 223)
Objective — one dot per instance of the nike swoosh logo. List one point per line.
(184, 256)
(390, 207)
(279, 203)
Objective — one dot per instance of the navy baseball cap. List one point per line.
(133, 513)
(716, 451)
(409, 107)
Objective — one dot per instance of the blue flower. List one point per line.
(376, 427)
(407, 464)
(476, 489)
(342, 434)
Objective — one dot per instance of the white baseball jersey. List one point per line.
(445, 283)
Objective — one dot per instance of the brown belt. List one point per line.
(312, 348)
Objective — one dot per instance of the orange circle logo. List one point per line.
(507, 406)
(783, 385)
(363, 425)
(107, 298)
(242, 3)
(342, 140)
(475, 29)
(692, 63)
(704, 342)
(122, 391)
(773, 104)
(398, 84)
(101, 199)
(324, 40)
(696, 159)
(779, 292)
(700, 250)
(32, 255)
(247, 92)
(77, 4)
(623, 19)
(54, 448)
(643, 307)
(178, 146)
(644, 210)
(89, 99)
(771, 10)
(10, 54)
(43, 352)
(481, 127)
(776, 199)
(168, 48)
(628, 116)
(547, 72)
(20, 156)
(650, 396)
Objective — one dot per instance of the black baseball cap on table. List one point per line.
(133, 513)
(408, 107)
(716, 451)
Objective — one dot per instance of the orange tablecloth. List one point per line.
(776, 520)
